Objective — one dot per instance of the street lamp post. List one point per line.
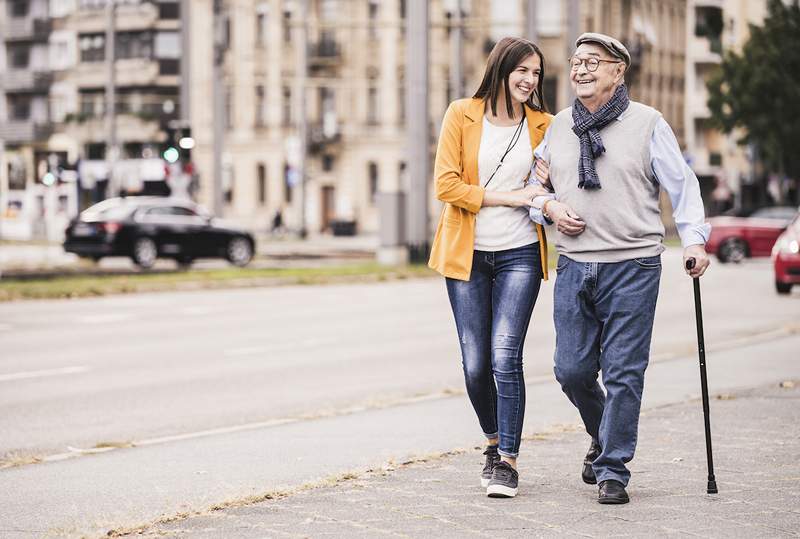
(301, 52)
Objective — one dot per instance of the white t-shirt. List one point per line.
(498, 228)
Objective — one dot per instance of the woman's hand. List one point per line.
(517, 198)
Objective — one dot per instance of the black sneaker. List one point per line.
(587, 473)
(612, 492)
(492, 458)
(504, 481)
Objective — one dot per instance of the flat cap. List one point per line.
(613, 46)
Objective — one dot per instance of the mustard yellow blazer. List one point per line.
(457, 185)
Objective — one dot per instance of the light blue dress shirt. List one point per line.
(674, 176)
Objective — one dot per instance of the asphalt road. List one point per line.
(111, 371)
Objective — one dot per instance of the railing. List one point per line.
(25, 80)
(21, 131)
(27, 28)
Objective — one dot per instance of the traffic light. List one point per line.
(169, 150)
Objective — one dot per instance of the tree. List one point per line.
(759, 89)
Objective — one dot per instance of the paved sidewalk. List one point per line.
(756, 447)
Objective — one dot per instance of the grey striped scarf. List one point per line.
(587, 127)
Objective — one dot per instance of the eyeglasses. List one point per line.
(591, 63)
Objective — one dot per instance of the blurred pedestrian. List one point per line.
(609, 157)
(492, 256)
(277, 222)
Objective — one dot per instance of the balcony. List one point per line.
(705, 50)
(19, 80)
(27, 29)
(129, 72)
(324, 53)
(129, 17)
(24, 131)
(322, 137)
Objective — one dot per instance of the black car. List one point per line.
(146, 228)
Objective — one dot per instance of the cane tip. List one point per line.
(712, 487)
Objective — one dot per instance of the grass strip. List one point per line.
(84, 286)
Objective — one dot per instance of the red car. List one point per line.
(786, 258)
(735, 238)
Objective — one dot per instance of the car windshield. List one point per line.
(780, 213)
(108, 209)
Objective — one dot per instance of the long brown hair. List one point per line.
(506, 55)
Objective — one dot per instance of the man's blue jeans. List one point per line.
(492, 312)
(604, 315)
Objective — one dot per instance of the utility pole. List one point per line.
(3, 187)
(219, 104)
(111, 97)
(530, 21)
(417, 133)
(456, 46)
(185, 62)
(301, 63)
(573, 31)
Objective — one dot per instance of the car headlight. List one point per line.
(786, 246)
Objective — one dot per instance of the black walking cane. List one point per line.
(701, 348)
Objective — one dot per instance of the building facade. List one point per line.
(53, 106)
(355, 95)
(725, 168)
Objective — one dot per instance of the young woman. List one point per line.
(492, 255)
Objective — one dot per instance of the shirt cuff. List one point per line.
(693, 234)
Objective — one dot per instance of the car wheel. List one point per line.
(240, 251)
(732, 250)
(145, 253)
(783, 288)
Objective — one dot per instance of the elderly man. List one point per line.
(608, 157)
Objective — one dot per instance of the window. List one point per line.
(261, 24)
(372, 173)
(327, 162)
(169, 10)
(138, 44)
(287, 106)
(260, 105)
(95, 150)
(287, 26)
(288, 181)
(261, 183)
(229, 107)
(19, 56)
(19, 107)
(373, 19)
(550, 91)
(372, 105)
(328, 9)
(168, 45)
(92, 47)
(19, 8)
(401, 103)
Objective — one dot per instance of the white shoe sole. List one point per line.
(500, 491)
(484, 482)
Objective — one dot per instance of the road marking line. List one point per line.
(785, 331)
(42, 374)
